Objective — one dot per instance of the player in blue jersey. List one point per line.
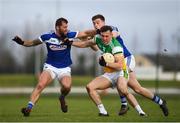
(98, 22)
(58, 61)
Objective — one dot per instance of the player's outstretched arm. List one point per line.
(86, 33)
(83, 44)
(30, 43)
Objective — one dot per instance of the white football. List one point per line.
(108, 57)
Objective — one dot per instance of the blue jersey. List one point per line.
(58, 54)
(126, 51)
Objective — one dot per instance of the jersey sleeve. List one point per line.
(96, 38)
(115, 29)
(44, 37)
(71, 34)
(117, 50)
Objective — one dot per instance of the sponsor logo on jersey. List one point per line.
(58, 47)
(54, 41)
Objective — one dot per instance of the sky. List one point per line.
(140, 21)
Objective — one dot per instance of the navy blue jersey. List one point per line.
(58, 54)
(126, 51)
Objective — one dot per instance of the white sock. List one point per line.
(102, 109)
(160, 102)
(139, 110)
(124, 104)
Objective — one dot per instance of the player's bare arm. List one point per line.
(119, 62)
(117, 65)
(83, 44)
(94, 47)
(87, 33)
(32, 43)
(26, 43)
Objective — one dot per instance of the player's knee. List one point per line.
(89, 88)
(124, 92)
(67, 87)
(41, 86)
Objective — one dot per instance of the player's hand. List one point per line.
(102, 62)
(18, 40)
(66, 41)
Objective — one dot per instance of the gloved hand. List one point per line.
(102, 62)
(66, 41)
(18, 40)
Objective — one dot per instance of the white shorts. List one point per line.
(57, 72)
(113, 77)
(130, 62)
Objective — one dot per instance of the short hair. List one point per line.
(106, 28)
(59, 21)
(98, 16)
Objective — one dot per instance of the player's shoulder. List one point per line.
(97, 38)
(48, 35)
(116, 42)
(114, 28)
(72, 34)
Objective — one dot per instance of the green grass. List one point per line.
(22, 80)
(82, 109)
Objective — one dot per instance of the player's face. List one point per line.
(98, 23)
(106, 37)
(63, 29)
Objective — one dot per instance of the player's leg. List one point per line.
(135, 85)
(103, 92)
(130, 62)
(99, 83)
(122, 88)
(44, 79)
(124, 105)
(65, 89)
(64, 76)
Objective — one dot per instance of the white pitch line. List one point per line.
(76, 90)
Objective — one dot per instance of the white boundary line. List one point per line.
(76, 90)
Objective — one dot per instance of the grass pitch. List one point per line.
(81, 109)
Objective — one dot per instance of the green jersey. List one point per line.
(114, 47)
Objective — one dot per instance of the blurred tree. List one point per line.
(7, 61)
(80, 68)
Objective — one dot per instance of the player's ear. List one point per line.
(57, 28)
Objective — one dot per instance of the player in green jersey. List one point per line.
(116, 78)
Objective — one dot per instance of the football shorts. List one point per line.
(57, 72)
(113, 77)
(130, 62)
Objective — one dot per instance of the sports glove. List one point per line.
(18, 40)
(66, 41)
(102, 62)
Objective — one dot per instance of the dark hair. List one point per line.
(59, 21)
(98, 16)
(106, 28)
